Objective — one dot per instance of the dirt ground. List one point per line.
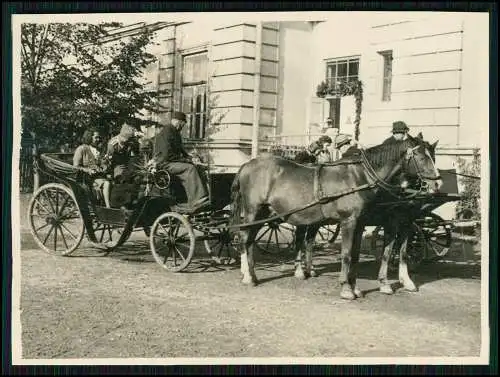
(124, 305)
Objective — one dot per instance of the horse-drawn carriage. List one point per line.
(62, 211)
(67, 208)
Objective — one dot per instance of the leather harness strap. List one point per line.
(318, 192)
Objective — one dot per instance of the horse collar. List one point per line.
(318, 191)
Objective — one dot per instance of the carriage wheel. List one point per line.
(56, 222)
(107, 236)
(274, 237)
(172, 241)
(222, 246)
(437, 234)
(327, 233)
(416, 248)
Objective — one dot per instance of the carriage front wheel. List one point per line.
(172, 241)
(55, 220)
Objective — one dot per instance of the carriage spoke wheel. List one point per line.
(437, 234)
(172, 241)
(222, 246)
(55, 220)
(327, 234)
(274, 237)
(107, 237)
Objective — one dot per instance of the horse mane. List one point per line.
(390, 152)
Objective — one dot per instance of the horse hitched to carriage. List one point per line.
(352, 192)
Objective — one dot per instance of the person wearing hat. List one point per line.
(330, 130)
(121, 148)
(317, 152)
(344, 145)
(399, 132)
(168, 151)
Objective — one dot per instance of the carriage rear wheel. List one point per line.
(275, 237)
(55, 220)
(437, 234)
(172, 241)
(415, 249)
(327, 234)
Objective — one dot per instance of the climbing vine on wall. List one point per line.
(342, 89)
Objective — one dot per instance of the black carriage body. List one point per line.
(145, 210)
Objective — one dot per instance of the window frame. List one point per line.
(344, 78)
(191, 133)
(387, 66)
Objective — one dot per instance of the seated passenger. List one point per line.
(344, 145)
(121, 148)
(317, 152)
(88, 158)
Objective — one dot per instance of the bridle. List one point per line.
(421, 186)
(421, 183)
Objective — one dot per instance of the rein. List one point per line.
(320, 199)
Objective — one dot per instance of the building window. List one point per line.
(387, 75)
(342, 70)
(194, 94)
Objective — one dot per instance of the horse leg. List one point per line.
(404, 277)
(390, 231)
(247, 267)
(309, 247)
(355, 251)
(348, 229)
(300, 234)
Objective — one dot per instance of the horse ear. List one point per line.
(433, 146)
(420, 136)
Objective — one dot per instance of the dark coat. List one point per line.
(352, 151)
(168, 146)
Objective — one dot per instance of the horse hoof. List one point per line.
(313, 274)
(301, 276)
(357, 292)
(410, 288)
(249, 282)
(386, 289)
(347, 295)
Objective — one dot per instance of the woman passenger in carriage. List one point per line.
(88, 158)
(344, 145)
(317, 152)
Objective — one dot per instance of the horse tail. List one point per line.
(235, 199)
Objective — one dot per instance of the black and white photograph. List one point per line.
(251, 188)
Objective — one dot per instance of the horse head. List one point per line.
(419, 164)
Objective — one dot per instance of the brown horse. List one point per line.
(308, 196)
(397, 223)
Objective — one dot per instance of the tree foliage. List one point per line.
(71, 79)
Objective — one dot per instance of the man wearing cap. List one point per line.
(168, 151)
(399, 132)
(121, 148)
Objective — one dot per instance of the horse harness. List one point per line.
(321, 198)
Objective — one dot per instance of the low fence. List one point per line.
(26, 163)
